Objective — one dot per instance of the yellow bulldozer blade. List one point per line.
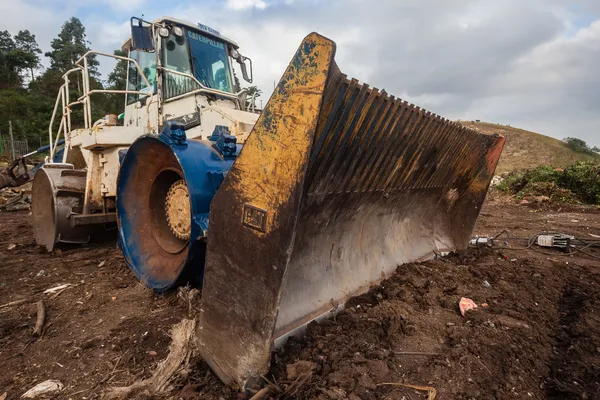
(336, 186)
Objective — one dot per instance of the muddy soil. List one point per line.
(538, 337)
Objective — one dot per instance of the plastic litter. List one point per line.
(465, 304)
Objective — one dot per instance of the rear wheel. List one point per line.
(57, 193)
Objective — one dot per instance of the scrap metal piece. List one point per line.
(18, 202)
(555, 240)
(336, 186)
(14, 175)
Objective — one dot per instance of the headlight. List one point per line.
(177, 31)
(163, 32)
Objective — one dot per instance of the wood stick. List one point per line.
(415, 353)
(262, 393)
(431, 392)
(41, 319)
(13, 303)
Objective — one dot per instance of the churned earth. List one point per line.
(538, 337)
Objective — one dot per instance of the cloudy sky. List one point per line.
(533, 64)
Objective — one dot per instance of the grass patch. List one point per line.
(577, 183)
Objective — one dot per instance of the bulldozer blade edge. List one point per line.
(336, 186)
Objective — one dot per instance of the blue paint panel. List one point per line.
(203, 169)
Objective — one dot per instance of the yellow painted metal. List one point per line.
(262, 191)
(280, 142)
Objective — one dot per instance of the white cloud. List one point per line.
(240, 5)
(125, 5)
(553, 88)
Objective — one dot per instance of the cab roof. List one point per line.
(206, 30)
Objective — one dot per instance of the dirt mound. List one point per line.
(526, 150)
(504, 350)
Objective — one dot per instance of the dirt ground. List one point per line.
(538, 337)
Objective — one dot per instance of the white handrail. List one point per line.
(86, 89)
(60, 129)
(202, 88)
(118, 58)
(63, 97)
(71, 70)
(58, 97)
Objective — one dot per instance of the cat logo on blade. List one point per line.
(255, 218)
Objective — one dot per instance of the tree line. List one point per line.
(580, 145)
(28, 90)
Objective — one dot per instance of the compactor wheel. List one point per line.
(57, 193)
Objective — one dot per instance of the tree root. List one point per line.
(174, 366)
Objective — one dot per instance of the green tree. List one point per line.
(28, 49)
(29, 112)
(577, 144)
(596, 149)
(117, 80)
(118, 76)
(30, 109)
(69, 46)
(6, 42)
(9, 71)
(254, 90)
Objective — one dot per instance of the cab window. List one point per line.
(176, 58)
(210, 61)
(147, 62)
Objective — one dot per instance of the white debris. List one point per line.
(496, 180)
(57, 288)
(45, 387)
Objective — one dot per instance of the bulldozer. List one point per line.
(177, 72)
(280, 217)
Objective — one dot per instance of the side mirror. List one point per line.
(141, 35)
(246, 66)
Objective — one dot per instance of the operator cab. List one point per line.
(187, 60)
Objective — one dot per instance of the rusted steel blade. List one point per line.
(336, 186)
